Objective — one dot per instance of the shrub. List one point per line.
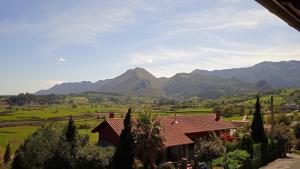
(297, 130)
(167, 165)
(51, 148)
(257, 156)
(285, 138)
(233, 146)
(208, 149)
(283, 119)
(92, 156)
(36, 149)
(246, 144)
(297, 147)
(84, 126)
(235, 159)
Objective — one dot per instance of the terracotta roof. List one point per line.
(175, 133)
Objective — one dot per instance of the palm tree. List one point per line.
(148, 139)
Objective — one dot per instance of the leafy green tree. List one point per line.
(148, 139)
(92, 156)
(257, 126)
(64, 156)
(36, 149)
(124, 156)
(7, 154)
(210, 148)
(285, 137)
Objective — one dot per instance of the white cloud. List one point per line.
(217, 19)
(51, 83)
(168, 61)
(62, 59)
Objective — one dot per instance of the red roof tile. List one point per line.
(175, 133)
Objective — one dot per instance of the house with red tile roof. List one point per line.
(179, 134)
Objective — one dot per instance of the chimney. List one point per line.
(218, 116)
(111, 115)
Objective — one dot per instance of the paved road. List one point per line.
(291, 162)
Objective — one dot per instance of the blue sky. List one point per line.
(43, 43)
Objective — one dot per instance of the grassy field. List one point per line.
(16, 135)
(43, 112)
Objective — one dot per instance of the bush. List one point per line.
(246, 144)
(273, 150)
(297, 147)
(51, 148)
(167, 165)
(285, 138)
(297, 130)
(92, 156)
(283, 119)
(234, 159)
(209, 149)
(36, 149)
(233, 146)
(84, 126)
(257, 156)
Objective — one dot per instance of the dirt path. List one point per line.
(291, 162)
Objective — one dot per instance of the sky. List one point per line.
(43, 43)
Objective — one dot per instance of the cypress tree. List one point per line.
(257, 126)
(71, 130)
(7, 154)
(123, 157)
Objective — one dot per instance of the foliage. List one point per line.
(234, 159)
(92, 156)
(210, 148)
(297, 130)
(233, 146)
(297, 146)
(226, 137)
(124, 156)
(53, 148)
(283, 119)
(257, 156)
(27, 99)
(246, 143)
(148, 138)
(285, 137)
(36, 149)
(166, 166)
(71, 130)
(7, 154)
(257, 126)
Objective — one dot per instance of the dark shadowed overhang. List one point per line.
(287, 10)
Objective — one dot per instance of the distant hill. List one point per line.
(277, 74)
(202, 86)
(133, 82)
(202, 83)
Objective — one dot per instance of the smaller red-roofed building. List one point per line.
(179, 135)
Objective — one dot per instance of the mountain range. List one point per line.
(201, 83)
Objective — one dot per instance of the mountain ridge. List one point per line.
(201, 83)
